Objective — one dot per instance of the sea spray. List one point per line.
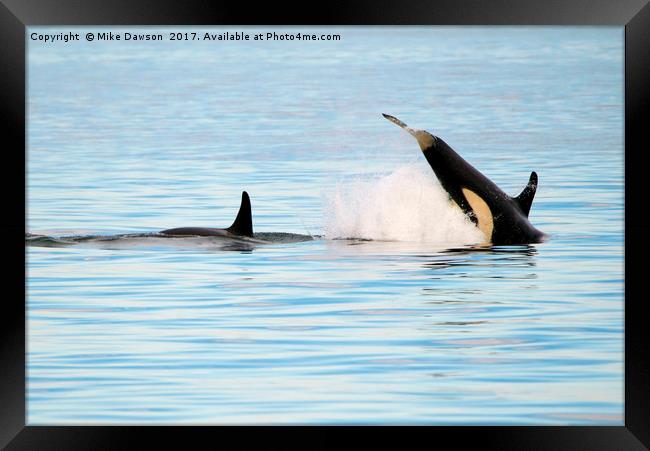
(407, 205)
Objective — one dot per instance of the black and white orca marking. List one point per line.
(501, 218)
(243, 225)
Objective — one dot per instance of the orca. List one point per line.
(238, 237)
(502, 219)
(242, 227)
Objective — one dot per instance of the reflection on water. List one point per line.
(370, 332)
(126, 326)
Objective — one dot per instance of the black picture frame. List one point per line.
(16, 15)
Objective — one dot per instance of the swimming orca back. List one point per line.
(243, 224)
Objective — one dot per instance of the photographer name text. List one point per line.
(180, 36)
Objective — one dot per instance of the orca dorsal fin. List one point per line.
(243, 224)
(525, 199)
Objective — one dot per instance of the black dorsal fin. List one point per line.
(243, 224)
(525, 199)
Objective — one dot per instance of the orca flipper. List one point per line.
(243, 224)
(525, 199)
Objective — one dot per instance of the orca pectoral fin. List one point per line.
(525, 199)
(243, 224)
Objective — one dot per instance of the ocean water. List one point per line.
(392, 314)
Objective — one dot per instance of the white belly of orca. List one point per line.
(485, 221)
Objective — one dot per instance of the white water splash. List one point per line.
(407, 205)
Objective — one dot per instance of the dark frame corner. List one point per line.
(634, 15)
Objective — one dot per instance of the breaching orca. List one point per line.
(501, 218)
(243, 225)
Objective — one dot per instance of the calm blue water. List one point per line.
(135, 137)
